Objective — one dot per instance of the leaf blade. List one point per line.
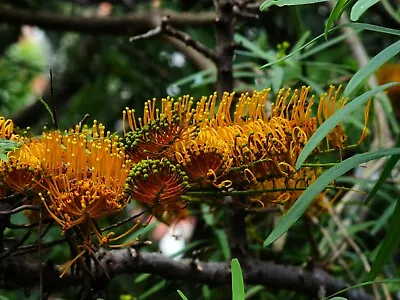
(374, 63)
(334, 120)
(237, 280)
(302, 203)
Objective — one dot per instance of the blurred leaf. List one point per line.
(353, 25)
(182, 295)
(383, 219)
(237, 280)
(356, 286)
(269, 3)
(334, 120)
(335, 15)
(370, 27)
(154, 289)
(5, 147)
(48, 108)
(246, 43)
(389, 243)
(277, 78)
(223, 242)
(304, 201)
(377, 61)
(361, 7)
(389, 166)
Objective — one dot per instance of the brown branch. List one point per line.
(116, 25)
(186, 39)
(15, 272)
(225, 29)
(19, 209)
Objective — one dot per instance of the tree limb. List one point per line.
(116, 25)
(15, 272)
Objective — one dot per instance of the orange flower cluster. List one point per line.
(79, 174)
(84, 174)
(255, 148)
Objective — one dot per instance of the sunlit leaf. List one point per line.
(182, 295)
(237, 281)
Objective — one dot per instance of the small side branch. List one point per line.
(167, 29)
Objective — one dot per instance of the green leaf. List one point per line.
(304, 201)
(277, 78)
(182, 295)
(361, 7)
(253, 47)
(388, 245)
(370, 27)
(237, 280)
(7, 146)
(48, 108)
(339, 298)
(352, 25)
(377, 61)
(154, 289)
(334, 120)
(356, 286)
(335, 14)
(383, 219)
(390, 164)
(269, 3)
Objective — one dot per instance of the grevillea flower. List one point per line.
(23, 168)
(157, 184)
(152, 135)
(6, 128)
(84, 175)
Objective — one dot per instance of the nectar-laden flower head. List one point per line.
(152, 135)
(157, 184)
(85, 173)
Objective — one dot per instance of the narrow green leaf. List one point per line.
(390, 164)
(48, 108)
(360, 8)
(356, 286)
(377, 61)
(253, 47)
(334, 120)
(360, 26)
(389, 243)
(237, 280)
(269, 3)
(154, 289)
(277, 78)
(223, 242)
(370, 27)
(182, 295)
(335, 14)
(339, 298)
(303, 202)
(383, 219)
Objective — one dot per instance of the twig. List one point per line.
(19, 209)
(167, 29)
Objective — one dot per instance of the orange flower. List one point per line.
(157, 184)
